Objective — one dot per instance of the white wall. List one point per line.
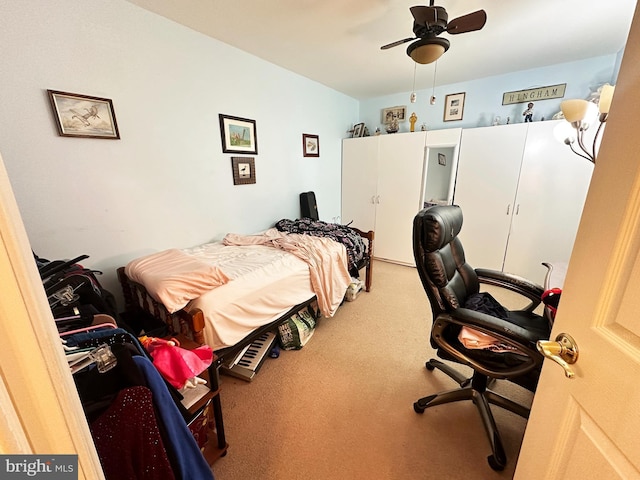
(483, 100)
(166, 182)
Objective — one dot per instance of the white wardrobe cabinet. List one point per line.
(384, 180)
(521, 193)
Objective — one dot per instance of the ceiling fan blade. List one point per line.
(423, 14)
(396, 43)
(467, 23)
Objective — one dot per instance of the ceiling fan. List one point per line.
(428, 23)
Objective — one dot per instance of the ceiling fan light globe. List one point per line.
(427, 50)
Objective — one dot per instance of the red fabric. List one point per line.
(176, 364)
(551, 298)
(128, 440)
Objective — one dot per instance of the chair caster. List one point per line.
(423, 403)
(495, 464)
(429, 366)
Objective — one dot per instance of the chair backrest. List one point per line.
(446, 276)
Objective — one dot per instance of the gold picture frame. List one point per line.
(400, 113)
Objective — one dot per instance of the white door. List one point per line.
(551, 192)
(359, 182)
(488, 168)
(588, 427)
(447, 143)
(400, 173)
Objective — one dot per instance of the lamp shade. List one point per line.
(427, 50)
(564, 133)
(606, 95)
(574, 110)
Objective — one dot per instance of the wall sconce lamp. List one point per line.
(580, 115)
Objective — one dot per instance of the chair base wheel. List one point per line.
(495, 464)
(423, 403)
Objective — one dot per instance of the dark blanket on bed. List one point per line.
(353, 242)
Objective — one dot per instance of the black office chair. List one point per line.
(452, 286)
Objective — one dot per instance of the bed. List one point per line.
(246, 285)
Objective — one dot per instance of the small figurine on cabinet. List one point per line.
(393, 127)
(412, 120)
(528, 113)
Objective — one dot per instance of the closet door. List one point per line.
(359, 181)
(488, 169)
(400, 174)
(551, 193)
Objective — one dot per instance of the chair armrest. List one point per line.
(523, 341)
(514, 283)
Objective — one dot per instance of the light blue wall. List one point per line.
(166, 183)
(483, 100)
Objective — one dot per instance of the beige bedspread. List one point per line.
(244, 286)
(173, 277)
(327, 260)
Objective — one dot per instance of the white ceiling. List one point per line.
(337, 42)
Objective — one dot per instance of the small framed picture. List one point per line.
(83, 116)
(398, 113)
(453, 107)
(358, 130)
(310, 145)
(244, 170)
(442, 159)
(238, 135)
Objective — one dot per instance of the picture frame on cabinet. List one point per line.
(358, 130)
(454, 106)
(398, 113)
(238, 135)
(83, 116)
(442, 159)
(310, 145)
(244, 170)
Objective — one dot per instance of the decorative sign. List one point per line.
(534, 94)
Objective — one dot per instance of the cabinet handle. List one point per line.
(508, 209)
(377, 198)
(517, 209)
(373, 199)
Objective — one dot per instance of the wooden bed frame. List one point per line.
(191, 325)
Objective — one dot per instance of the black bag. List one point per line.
(308, 205)
(74, 291)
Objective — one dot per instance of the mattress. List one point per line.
(240, 288)
(264, 284)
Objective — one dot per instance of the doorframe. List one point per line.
(42, 413)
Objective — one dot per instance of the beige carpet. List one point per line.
(342, 407)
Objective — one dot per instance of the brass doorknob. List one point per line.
(564, 351)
